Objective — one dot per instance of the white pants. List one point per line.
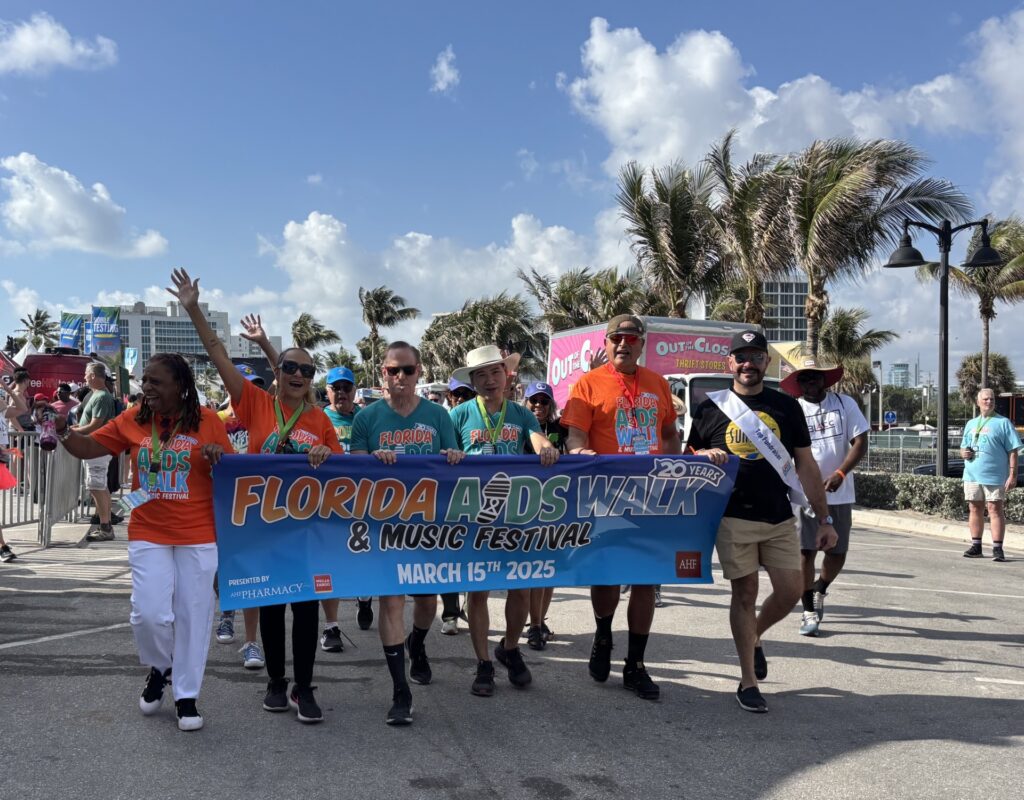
(172, 609)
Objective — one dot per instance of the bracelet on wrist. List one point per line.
(65, 434)
(841, 474)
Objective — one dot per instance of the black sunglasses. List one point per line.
(540, 399)
(463, 394)
(342, 386)
(291, 367)
(407, 369)
(753, 358)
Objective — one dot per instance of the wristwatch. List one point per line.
(828, 520)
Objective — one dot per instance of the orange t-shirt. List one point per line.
(600, 406)
(255, 410)
(181, 511)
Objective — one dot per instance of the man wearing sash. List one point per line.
(767, 431)
(622, 408)
(839, 440)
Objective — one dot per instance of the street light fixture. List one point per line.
(906, 255)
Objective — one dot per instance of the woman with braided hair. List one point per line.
(172, 549)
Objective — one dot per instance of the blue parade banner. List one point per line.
(71, 329)
(355, 527)
(105, 331)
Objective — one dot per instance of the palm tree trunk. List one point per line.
(984, 352)
(815, 309)
(753, 311)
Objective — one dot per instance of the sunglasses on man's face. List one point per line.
(810, 377)
(629, 338)
(462, 394)
(753, 358)
(540, 400)
(405, 369)
(291, 367)
(342, 386)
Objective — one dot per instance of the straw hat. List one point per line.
(485, 356)
(790, 383)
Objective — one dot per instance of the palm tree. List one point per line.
(845, 342)
(848, 198)
(1002, 376)
(750, 223)
(40, 329)
(668, 217)
(989, 285)
(382, 308)
(309, 333)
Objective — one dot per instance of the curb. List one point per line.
(891, 521)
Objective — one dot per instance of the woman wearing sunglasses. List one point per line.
(288, 423)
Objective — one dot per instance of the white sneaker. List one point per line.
(810, 624)
(252, 656)
(226, 628)
(450, 627)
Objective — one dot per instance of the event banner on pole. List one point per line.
(71, 329)
(355, 527)
(106, 335)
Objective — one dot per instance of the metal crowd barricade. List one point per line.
(21, 505)
(64, 490)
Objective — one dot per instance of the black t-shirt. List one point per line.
(760, 495)
(556, 433)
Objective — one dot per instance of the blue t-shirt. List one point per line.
(342, 425)
(426, 431)
(475, 438)
(992, 439)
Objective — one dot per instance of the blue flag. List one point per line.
(71, 329)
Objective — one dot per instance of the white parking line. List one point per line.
(23, 642)
(1000, 680)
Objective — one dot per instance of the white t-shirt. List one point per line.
(832, 424)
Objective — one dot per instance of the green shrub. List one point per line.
(926, 494)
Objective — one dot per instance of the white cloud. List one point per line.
(48, 208)
(444, 75)
(527, 163)
(315, 179)
(42, 44)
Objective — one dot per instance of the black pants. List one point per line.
(451, 605)
(305, 627)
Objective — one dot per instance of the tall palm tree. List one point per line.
(382, 308)
(308, 332)
(990, 285)
(667, 213)
(750, 222)
(40, 329)
(845, 341)
(847, 199)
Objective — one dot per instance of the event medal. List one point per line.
(277, 443)
(493, 432)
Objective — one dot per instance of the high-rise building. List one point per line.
(784, 301)
(240, 347)
(899, 374)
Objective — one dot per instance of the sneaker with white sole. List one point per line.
(330, 640)
(303, 702)
(189, 718)
(750, 699)
(6, 554)
(450, 627)
(226, 628)
(252, 656)
(153, 691)
(809, 625)
(997, 553)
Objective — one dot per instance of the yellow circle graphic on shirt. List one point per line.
(738, 444)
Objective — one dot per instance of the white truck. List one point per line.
(689, 353)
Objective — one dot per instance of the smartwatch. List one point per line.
(828, 520)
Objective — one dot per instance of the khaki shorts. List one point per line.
(96, 473)
(743, 546)
(984, 492)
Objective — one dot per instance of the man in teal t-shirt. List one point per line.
(341, 408)
(989, 449)
(480, 438)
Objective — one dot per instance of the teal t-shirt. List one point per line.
(342, 426)
(992, 438)
(426, 431)
(469, 425)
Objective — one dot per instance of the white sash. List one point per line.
(764, 439)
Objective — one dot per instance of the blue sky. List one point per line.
(289, 155)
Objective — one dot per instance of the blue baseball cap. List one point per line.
(538, 387)
(454, 385)
(340, 374)
(249, 373)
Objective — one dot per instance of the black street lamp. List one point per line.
(909, 256)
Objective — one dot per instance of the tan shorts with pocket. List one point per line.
(984, 492)
(744, 546)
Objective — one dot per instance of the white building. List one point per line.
(899, 374)
(240, 347)
(784, 309)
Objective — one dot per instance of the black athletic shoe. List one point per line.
(7, 554)
(153, 691)
(548, 633)
(364, 617)
(600, 665)
(535, 638)
(330, 640)
(974, 551)
(518, 673)
(760, 664)
(637, 680)
(276, 698)
(189, 718)
(750, 699)
(304, 704)
(997, 554)
(401, 707)
(483, 683)
(419, 664)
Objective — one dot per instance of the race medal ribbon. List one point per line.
(493, 433)
(283, 428)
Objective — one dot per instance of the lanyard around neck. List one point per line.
(493, 433)
(630, 395)
(284, 428)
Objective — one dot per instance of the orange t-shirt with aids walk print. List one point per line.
(181, 509)
(615, 410)
(255, 410)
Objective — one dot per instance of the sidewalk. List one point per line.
(913, 522)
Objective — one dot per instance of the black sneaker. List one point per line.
(100, 533)
(153, 691)
(115, 519)
(636, 679)
(364, 616)
(276, 698)
(760, 664)
(997, 554)
(483, 683)
(518, 673)
(401, 707)
(303, 702)
(419, 664)
(750, 699)
(974, 551)
(7, 554)
(535, 638)
(330, 640)
(189, 718)
(548, 633)
(600, 665)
